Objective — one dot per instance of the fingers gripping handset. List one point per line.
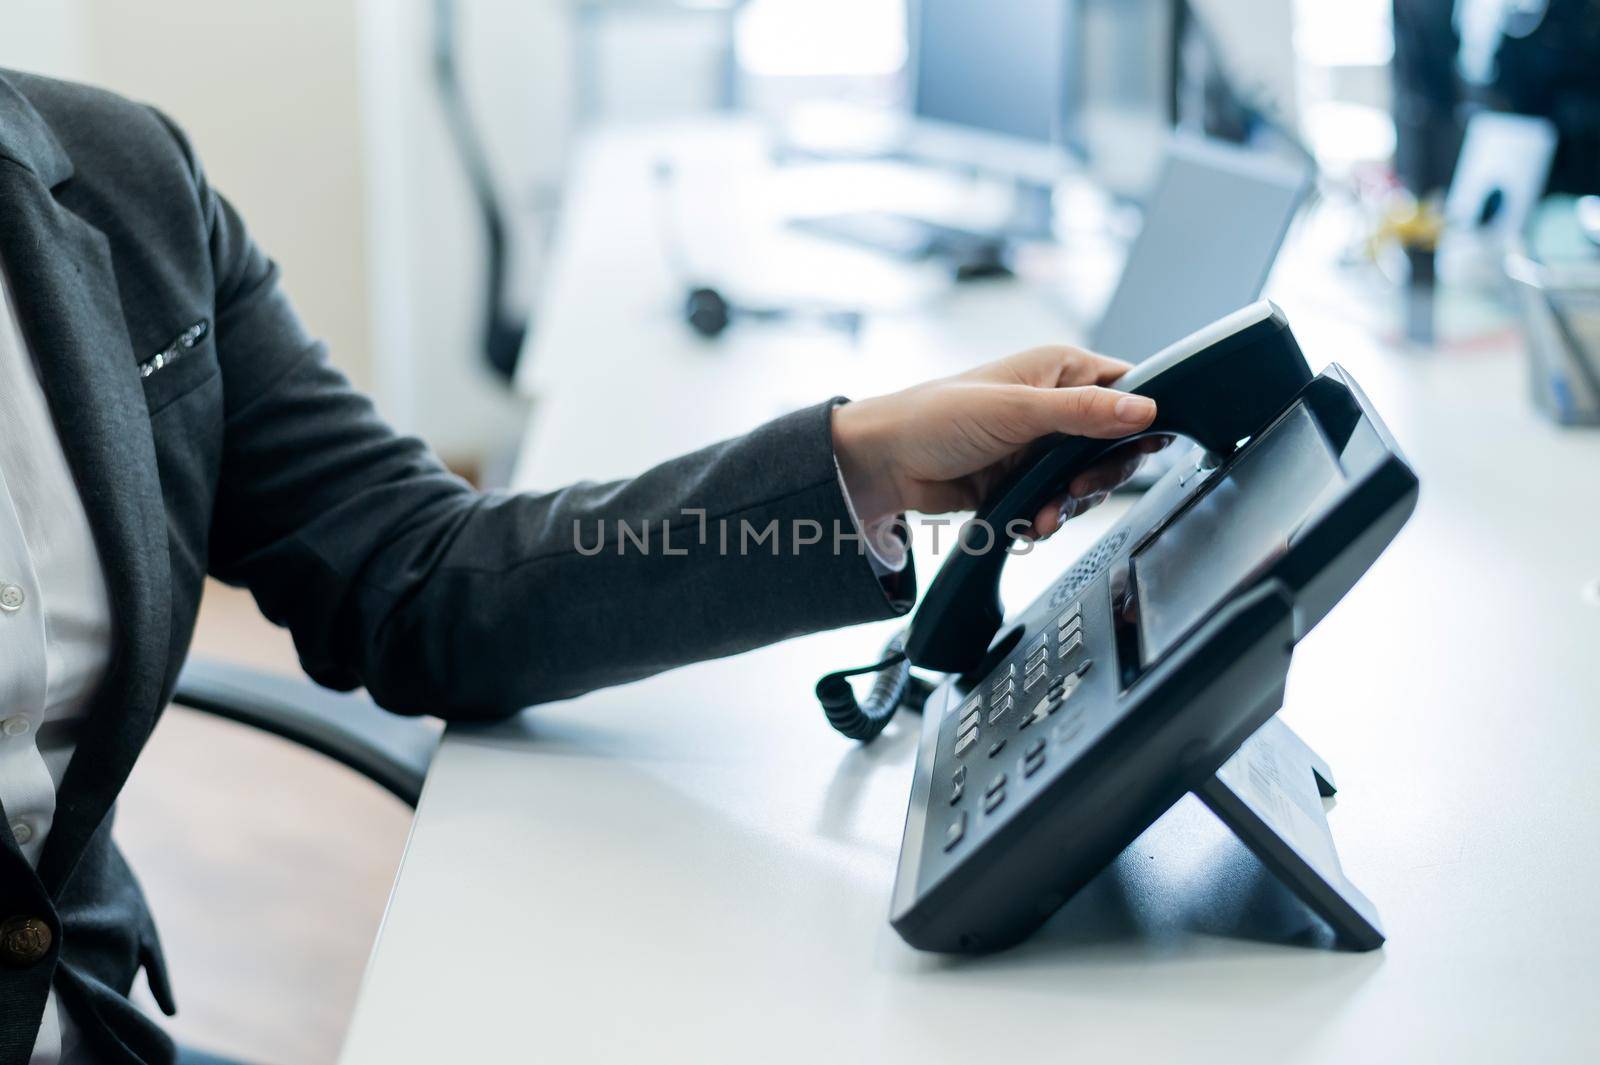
(1217, 386)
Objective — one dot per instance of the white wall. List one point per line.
(45, 36)
(268, 94)
(318, 119)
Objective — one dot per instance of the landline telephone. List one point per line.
(1155, 665)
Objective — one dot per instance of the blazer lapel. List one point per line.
(60, 269)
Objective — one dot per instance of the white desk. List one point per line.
(695, 868)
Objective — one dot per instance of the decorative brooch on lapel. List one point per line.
(180, 346)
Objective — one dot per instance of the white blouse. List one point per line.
(55, 622)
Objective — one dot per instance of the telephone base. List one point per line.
(1270, 795)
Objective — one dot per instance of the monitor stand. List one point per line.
(1270, 794)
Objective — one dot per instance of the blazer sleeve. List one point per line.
(394, 575)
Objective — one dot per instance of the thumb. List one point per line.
(1090, 410)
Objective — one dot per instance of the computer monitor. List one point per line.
(989, 84)
(1212, 229)
(1124, 95)
(991, 79)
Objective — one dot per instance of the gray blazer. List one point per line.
(242, 453)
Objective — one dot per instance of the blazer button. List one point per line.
(24, 940)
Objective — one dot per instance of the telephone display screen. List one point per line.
(1238, 527)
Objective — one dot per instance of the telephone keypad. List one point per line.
(1050, 675)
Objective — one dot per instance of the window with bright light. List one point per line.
(1349, 33)
(826, 38)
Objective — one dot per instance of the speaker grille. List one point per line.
(1087, 568)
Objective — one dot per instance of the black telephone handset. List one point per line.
(1217, 386)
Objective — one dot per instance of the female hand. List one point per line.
(943, 446)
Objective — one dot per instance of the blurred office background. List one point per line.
(378, 146)
(324, 122)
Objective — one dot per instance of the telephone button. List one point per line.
(1033, 678)
(1040, 710)
(965, 741)
(1058, 696)
(1001, 706)
(957, 829)
(996, 746)
(995, 785)
(992, 801)
(1068, 730)
(969, 721)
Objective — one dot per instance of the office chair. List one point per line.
(391, 751)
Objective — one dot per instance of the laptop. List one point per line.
(1212, 229)
(1501, 172)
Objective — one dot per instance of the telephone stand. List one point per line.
(1270, 794)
